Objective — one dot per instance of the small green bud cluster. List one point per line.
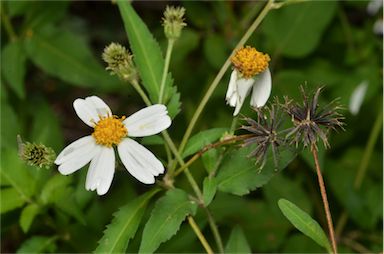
(37, 155)
(173, 22)
(120, 62)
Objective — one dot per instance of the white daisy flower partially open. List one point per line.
(250, 72)
(110, 130)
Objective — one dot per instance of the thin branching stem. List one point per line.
(221, 73)
(165, 70)
(209, 147)
(201, 237)
(325, 199)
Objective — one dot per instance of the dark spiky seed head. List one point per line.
(312, 122)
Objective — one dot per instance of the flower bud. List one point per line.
(120, 62)
(37, 155)
(173, 22)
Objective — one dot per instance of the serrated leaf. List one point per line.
(10, 199)
(239, 175)
(237, 242)
(202, 139)
(209, 189)
(14, 73)
(303, 222)
(38, 244)
(27, 216)
(166, 218)
(53, 50)
(148, 58)
(124, 225)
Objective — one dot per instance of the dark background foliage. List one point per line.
(54, 57)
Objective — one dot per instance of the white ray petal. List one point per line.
(99, 105)
(90, 108)
(231, 92)
(261, 89)
(76, 155)
(145, 157)
(74, 149)
(357, 97)
(148, 121)
(243, 88)
(101, 171)
(133, 164)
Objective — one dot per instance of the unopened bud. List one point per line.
(173, 21)
(37, 155)
(120, 62)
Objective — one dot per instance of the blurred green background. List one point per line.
(51, 55)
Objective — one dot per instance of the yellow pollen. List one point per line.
(250, 62)
(109, 130)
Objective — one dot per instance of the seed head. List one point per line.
(173, 22)
(120, 62)
(37, 155)
(310, 121)
(265, 133)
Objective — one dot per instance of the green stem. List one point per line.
(221, 73)
(141, 92)
(201, 237)
(191, 180)
(362, 170)
(7, 24)
(165, 70)
(368, 151)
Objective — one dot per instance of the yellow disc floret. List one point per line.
(250, 62)
(109, 130)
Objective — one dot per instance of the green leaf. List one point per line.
(17, 174)
(9, 126)
(239, 175)
(303, 222)
(65, 200)
(210, 160)
(202, 139)
(53, 50)
(209, 189)
(10, 199)
(301, 35)
(27, 216)
(46, 127)
(38, 244)
(40, 14)
(13, 61)
(148, 57)
(55, 184)
(237, 242)
(166, 218)
(124, 225)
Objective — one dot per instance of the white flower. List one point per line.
(110, 130)
(251, 72)
(239, 88)
(357, 97)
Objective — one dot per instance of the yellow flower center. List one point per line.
(250, 62)
(110, 130)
